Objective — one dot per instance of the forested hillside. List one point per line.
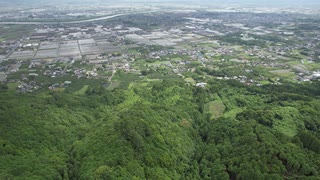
(163, 130)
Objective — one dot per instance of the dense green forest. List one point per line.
(163, 130)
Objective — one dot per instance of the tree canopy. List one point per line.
(163, 130)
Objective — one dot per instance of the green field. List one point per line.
(82, 91)
(215, 108)
(14, 32)
(113, 85)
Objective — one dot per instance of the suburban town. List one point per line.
(56, 49)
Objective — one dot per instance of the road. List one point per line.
(204, 65)
(110, 78)
(113, 72)
(12, 50)
(15, 47)
(72, 22)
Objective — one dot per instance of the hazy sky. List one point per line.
(212, 1)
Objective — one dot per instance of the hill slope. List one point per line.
(162, 130)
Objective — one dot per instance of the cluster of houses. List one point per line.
(28, 87)
(56, 86)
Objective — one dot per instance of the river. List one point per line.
(62, 22)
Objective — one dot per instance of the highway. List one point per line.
(61, 22)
